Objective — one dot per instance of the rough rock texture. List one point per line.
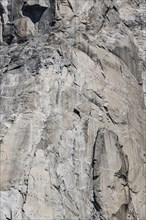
(73, 119)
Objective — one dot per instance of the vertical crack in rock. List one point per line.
(8, 27)
(1, 21)
(1, 12)
(10, 9)
(96, 204)
(52, 12)
(95, 161)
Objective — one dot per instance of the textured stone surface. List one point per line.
(73, 119)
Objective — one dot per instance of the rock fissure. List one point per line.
(76, 111)
(96, 204)
(95, 177)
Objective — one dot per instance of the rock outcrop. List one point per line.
(73, 119)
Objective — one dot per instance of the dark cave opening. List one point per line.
(34, 12)
(8, 38)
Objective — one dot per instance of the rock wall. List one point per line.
(73, 119)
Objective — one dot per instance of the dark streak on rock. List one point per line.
(76, 111)
(95, 203)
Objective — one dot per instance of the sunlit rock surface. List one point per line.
(73, 119)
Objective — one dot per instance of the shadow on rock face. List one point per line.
(1, 9)
(34, 12)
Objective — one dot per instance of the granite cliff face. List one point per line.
(73, 119)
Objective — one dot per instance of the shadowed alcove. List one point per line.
(34, 12)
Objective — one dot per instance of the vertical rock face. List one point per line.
(73, 119)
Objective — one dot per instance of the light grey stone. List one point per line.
(73, 125)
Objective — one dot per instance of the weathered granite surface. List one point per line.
(73, 118)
